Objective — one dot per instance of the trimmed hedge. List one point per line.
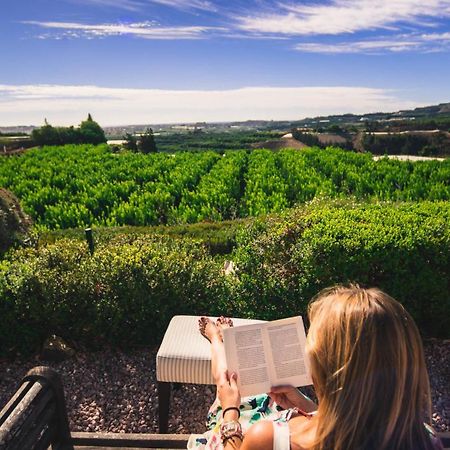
(402, 248)
(126, 293)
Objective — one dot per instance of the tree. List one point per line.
(91, 132)
(130, 142)
(371, 126)
(336, 129)
(146, 143)
(45, 135)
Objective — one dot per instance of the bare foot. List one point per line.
(208, 329)
(222, 323)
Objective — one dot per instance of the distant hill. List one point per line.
(441, 111)
(435, 110)
(438, 112)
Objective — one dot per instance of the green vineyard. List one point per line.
(76, 186)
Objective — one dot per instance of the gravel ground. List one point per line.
(116, 392)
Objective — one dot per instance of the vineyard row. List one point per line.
(75, 186)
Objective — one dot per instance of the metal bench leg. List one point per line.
(164, 390)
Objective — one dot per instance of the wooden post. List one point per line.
(164, 390)
(90, 239)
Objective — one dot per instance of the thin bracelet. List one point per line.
(231, 438)
(231, 408)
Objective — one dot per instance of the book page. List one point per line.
(267, 354)
(246, 356)
(287, 358)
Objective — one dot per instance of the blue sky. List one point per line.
(154, 61)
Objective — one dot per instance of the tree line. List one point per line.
(89, 132)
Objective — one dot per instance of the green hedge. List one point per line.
(401, 248)
(126, 293)
(123, 295)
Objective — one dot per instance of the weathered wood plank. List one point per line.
(107, 441)
(39, 407)
(131, 440)
(31, 434)
(44, 439)
(445, 438)
(14, 401)
(114, 448)
(17, 415)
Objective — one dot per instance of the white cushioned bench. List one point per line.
(183, 357)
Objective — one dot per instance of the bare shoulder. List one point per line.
(259, 436)
(302, 432)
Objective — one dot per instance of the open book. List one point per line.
(267, 354)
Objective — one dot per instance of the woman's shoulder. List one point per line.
(259, 435)
(269, 435)
(302, 431)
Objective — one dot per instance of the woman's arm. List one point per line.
(291, 397)
(259, 436)
(230, 400)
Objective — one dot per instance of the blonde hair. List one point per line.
(368, 368)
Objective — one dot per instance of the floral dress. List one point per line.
(252, 409)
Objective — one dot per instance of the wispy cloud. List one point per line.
(357, 47)
(345, 16)
(440, 37)
(187, 4)
(138, 5)
(111, 106)
(394, 44)
(128, 5)
(146, 30)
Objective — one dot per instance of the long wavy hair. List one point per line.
(368, 367)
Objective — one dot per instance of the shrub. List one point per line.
(401, 248)
(125, 294)
(14, 224)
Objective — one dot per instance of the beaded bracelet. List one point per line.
(230, 430)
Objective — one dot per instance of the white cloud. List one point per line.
(146, 30)
(64, 105)
(128, 5)
(138, 5)
(443, 37)
(187, 4)
(357, 47)
(345, 16)
(393, 44)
